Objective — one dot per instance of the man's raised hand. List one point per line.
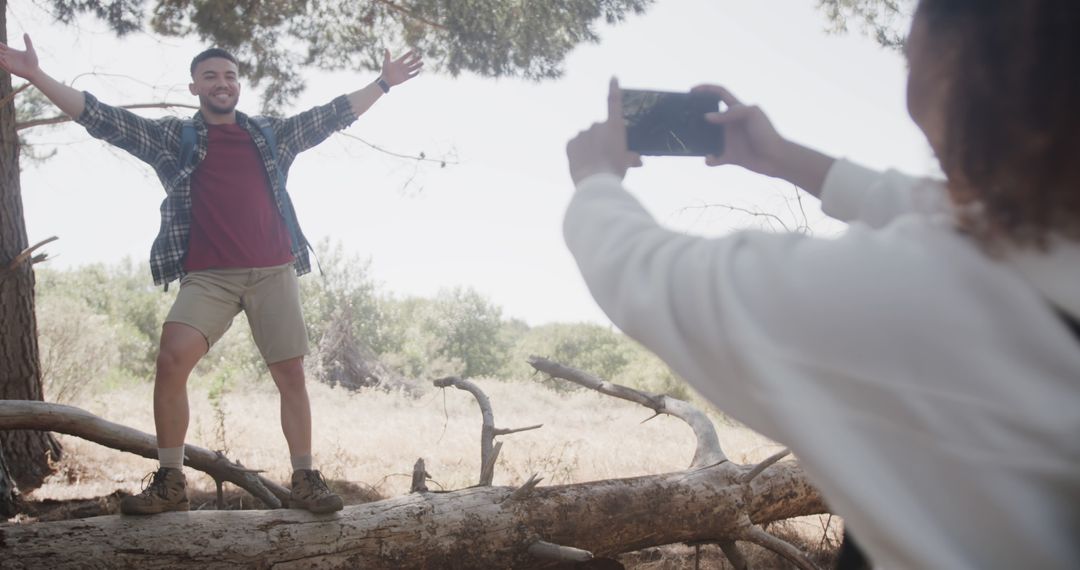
(402, 69)
(23, 63)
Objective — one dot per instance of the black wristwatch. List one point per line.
(383, 85)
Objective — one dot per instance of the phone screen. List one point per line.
(662, 123)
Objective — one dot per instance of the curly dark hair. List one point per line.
(1012, 133)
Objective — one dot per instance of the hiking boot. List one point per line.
(167, 491)
(309, 492)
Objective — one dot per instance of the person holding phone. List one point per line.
(925, 365)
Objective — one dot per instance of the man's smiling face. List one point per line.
(216, 83)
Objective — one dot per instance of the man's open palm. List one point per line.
(19, 62)
(402, 69)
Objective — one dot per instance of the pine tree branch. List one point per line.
(411, 14)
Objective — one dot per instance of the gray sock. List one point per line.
(171, 457)
(301, 462)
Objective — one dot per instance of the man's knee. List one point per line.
(288, 374)
(181, 348)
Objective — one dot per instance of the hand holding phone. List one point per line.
(602, 147)
(662, 123)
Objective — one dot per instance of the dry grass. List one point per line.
(372, 438)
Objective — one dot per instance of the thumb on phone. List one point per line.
(614, 100)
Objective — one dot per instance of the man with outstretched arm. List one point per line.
(230, 235)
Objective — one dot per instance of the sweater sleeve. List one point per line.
(725, 312)
(660, 288)
(854, 193)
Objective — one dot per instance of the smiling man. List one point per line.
(230, 235)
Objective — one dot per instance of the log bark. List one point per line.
(470, 528)
(25, 454)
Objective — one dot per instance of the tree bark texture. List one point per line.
(479, 527)
(25, 453)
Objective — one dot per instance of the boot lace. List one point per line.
(315, 479)
(156, 486)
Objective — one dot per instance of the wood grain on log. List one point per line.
(470, 528)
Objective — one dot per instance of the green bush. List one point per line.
(341, 288)
(595, 349)
(459, 332)
(645, 371)
(105, 322)
(124, 299)
(77, 348)
(592, 348)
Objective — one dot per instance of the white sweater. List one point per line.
(930, 392)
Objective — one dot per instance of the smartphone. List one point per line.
(662, 123)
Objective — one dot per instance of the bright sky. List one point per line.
(492, 221)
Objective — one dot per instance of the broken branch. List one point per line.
(707, 452)
(559, 553)
(765, 465)
(755, 534)
(419, 477)
(524, 490)
(28, 414)
(26, 253)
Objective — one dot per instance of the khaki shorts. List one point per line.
(269, 296)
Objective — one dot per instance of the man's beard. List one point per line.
(210, 104)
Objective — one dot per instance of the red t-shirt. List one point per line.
(234, 220)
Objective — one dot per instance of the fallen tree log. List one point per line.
(470, 528)
(714, 501)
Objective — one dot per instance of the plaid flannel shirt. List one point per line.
(157, 143)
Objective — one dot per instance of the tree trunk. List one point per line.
(25, 454)
(8, 493)
(479, 527)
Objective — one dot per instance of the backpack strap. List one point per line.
(187, 142)
(267, 131)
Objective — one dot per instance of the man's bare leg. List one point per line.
(309, 490)
(181, 348)
(295, 406)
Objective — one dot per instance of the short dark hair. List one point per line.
(211, 53)
(1012, 137)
